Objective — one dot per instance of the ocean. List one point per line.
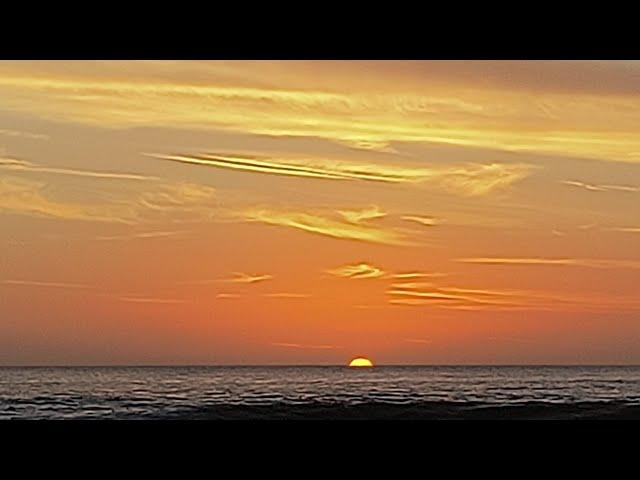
(320, 392)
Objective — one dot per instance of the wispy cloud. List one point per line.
(239, 277)
(322, 169)
(412, 285)
(621, 188)
(358, 271)
(24, 166)
(421, 219)
(414, 302)
(303, 346)
(35, 283)
(588, 226)
(421, 341)
(20, 133)
(464, 179)
(227, 295)
(157, 234)
(416, 275)
(364, 215)
(626, 229)
(454, 112)
(365, 270)
(180, 202)
(601, 188)
(132, 298)
(481, 179)
(586, 186)
(28, 197)
(578, 262)
(478, 299)
(322, 224)
(481, 292)
(419, 294)
(186, 201)
(435, 295)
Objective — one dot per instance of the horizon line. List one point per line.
(485, 365)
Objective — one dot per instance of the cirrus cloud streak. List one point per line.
(577, 262)
(585, 124)
(325, 225)
(463, 179)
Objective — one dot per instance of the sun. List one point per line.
(361, 362)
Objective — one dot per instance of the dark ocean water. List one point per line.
(385, 392)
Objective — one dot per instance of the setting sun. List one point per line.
(361, 362)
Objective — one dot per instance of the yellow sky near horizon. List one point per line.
(259, 212)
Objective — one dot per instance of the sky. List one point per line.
(307, 212)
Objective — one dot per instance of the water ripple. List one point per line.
(133, 392)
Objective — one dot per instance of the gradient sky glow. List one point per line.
(254, 212)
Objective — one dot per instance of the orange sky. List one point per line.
(162, 212)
